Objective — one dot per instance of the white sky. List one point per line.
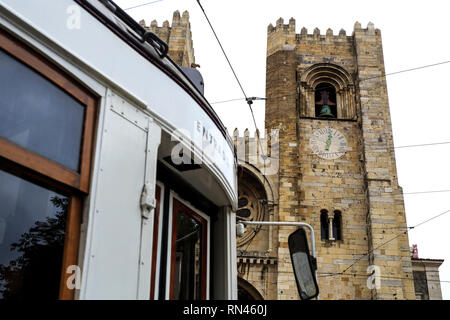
(414, 33)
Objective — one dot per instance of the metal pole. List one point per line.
(298, 224)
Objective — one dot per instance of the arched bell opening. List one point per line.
(325, 101)
(326, 91)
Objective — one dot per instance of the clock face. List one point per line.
(328, 143)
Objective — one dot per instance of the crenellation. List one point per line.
(185, 18)
(291, 25)
(176, 19)
(316, 33)
(283, 36)
(329, 33)
(370, 29)
(235, 133)
(280, 23)
(178, 36)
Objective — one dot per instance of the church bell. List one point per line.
(326, 112)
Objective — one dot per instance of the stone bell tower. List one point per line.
(327, 95)
(178, 37)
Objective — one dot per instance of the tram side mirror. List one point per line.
(304, 265)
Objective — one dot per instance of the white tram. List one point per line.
(117, 178)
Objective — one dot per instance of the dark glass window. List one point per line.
(324, 224)
(337, 222)
(242, 202)
(188, 258)
(189, 254)
(244, 208)
(38, 115)
(243, 213)
(32, 232)
(47, 131)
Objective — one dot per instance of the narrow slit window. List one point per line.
(324, 224)
(337, 225)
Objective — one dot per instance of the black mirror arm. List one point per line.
(313, 262)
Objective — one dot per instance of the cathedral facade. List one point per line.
(327, 159)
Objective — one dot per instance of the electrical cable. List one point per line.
(366, 79)
(390, 240)
(221, 47)
(141, 5)
(249, 100)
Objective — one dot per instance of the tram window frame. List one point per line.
(35, 168)
(177, 203)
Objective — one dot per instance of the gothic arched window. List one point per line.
(325, 101)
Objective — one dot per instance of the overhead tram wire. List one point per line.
(366, 79)
(249, 101)
(412, 69)
(225, 101)
(426, 192)
(363, 196)
(376, 149)
(141, 5)
(367, 275)
(223, 50)
(354, 275)
(390, 240)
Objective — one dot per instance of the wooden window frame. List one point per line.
(52, 175)
(177, 206)
(39, 164)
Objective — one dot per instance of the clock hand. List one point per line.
(328, 143)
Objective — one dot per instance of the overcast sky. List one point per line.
(414, 33)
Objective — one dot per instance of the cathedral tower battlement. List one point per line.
(178, 36)
(283, 36)
(257, 150)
